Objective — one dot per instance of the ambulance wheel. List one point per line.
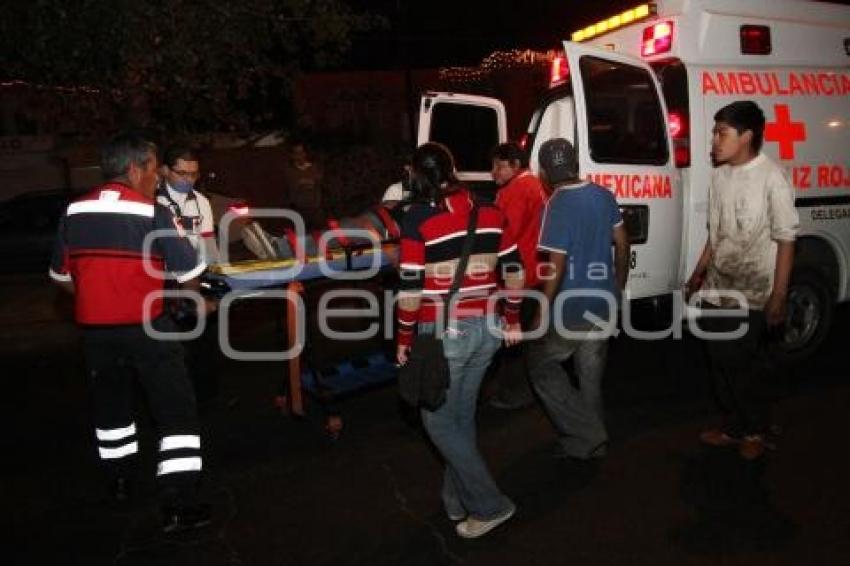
(809, 316)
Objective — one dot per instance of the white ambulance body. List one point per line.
(637, 96)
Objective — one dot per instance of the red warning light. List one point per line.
(678, 124)
(657, 39)
(559, 71)
(755, 40)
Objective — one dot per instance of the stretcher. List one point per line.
(292, 275)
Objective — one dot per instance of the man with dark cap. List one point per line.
(580, 222)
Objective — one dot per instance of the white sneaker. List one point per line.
(474, 528)
(454, 517)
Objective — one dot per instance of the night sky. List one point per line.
(439, 33)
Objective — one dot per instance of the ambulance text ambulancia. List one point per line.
(636, 93)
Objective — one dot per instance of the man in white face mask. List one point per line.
(192, 213)
(180, 171)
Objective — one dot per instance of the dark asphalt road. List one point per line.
(285, 494)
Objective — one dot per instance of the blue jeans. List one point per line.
(576, 412)
(468, 486)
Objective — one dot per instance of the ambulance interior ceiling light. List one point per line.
(610, 24)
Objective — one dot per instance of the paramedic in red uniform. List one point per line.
(100, 257)
(521, 198)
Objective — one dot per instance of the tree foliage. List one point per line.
(188, 65)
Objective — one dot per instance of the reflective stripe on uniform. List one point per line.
(174, 465)
(108, 434)
(180, 441)
(118, 452)
(104, 206)
(56, 276)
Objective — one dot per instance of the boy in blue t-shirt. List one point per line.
(580, 223)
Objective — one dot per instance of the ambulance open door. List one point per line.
(623, 143)
(470, 126)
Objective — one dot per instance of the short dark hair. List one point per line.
(744, 115)
(510, 151)
(179, 151)
(121, 150)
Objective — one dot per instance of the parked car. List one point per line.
(29, 221)
(28, 224)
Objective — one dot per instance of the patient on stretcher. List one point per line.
(381, 222)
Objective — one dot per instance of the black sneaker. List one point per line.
(177, 519)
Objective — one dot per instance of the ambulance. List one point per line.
(636, 94)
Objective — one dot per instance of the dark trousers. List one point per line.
(737, 371)
(202, 358)
(117, 355)
(510, 375)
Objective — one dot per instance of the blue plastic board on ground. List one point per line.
(352, 375)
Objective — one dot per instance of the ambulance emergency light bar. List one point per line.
(630, 16)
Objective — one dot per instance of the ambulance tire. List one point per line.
(809, 316)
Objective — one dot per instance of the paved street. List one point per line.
(284, 493)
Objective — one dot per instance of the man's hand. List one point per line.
(512, 334)
(694, 284)
(402, 354)
(775, 309)
(210, 306)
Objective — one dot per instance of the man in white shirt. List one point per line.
(746, 266)
(180, 171)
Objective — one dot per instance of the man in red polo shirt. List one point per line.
(521, 198)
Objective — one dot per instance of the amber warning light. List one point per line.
(610, 24)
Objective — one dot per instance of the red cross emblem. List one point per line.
(784, 131)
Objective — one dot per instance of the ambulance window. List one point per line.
(625, 122)
(470, 132)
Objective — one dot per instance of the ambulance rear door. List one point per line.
(470, 126)
(622, 136)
